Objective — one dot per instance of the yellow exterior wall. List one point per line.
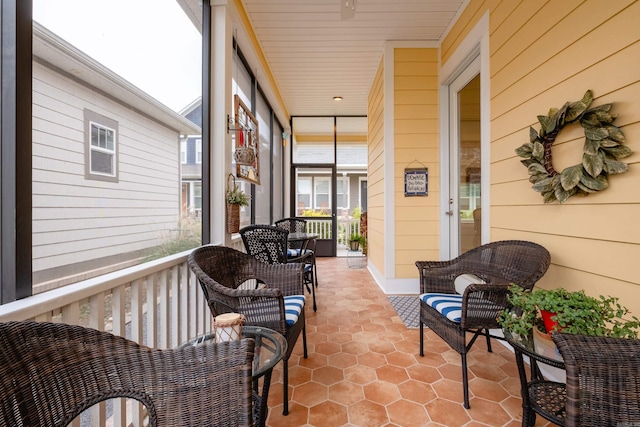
(376, 153)
(543, 54)
(415, 145)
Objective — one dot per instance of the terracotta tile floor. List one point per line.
(364, 368)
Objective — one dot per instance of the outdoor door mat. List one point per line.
(408, 309)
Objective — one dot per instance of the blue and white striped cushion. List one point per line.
(449, 305)
(293, 253)
(293, 306)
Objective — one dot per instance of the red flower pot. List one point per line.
(549, 324)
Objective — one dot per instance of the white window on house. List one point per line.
(198, 150)
(303, 195)
(101, 154)
(197, 196)
(103, 150)
(322, 194)
(342, 193)
(183, 152)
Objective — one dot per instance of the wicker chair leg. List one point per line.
(285, 386)
(313, 291)
(304, 341)
(486, 331)
(421, 339)
(465, 381)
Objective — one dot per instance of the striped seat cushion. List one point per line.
(293, 306)
(449, 305)
(295, 253)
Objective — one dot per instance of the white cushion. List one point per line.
(462, 281)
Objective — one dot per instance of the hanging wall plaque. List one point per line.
(416, 182)
(247, 143)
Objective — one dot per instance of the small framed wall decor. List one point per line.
(416, 182)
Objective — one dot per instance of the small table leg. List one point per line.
(528, 416)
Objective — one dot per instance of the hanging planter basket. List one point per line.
(233, 209)
(233, 218)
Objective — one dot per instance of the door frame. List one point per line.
(452, 209)
(324, 247)
(474, 46)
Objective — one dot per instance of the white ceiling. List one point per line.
(315, 55)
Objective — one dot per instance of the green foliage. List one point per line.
(576, 313)
(357, 212)
(602, 149)
(237, 197)
(313, 212)
(355, 237)
(189, 236)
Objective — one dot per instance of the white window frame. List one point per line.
(346, 186)
(198, 151)
(298, 193)
(94, 120)
(316, 181)
(183, 151)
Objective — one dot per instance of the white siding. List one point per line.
(77, 219)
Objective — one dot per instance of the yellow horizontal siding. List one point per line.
(416, 143)
(543, 54)
(375, 190)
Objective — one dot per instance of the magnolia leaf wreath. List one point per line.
(602, 149)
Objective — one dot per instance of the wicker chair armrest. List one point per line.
(438, 276)
(481, 304)
(264, 311)
(306, 257)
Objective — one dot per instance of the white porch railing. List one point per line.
(346, 227)
(120, 302)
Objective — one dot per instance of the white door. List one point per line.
(463, 215)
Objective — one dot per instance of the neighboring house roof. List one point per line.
(50, 49)
(193, 111)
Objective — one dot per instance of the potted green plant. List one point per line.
(355, 240)
(235, 198)
(572, 312)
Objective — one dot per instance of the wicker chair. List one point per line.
(603, 377)
(269, 244)
(52, 372)
(497, 264)
(298, 249)
(230, 281)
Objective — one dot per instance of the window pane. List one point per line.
(313, 140)
(101, 162)
(351, 140)
(263, 191)
(92, 61)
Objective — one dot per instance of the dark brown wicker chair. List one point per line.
(269, 243)
(52, 372)
(298, 249)
(498, 264)
(229, 280)
(603, 380)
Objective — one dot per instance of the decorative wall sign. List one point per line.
(602, 149)
(416, 182)
(247, 143)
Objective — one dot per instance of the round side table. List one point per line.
(356, 259)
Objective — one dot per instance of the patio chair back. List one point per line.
(52, 372)
(266, 243)
(603, 374)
